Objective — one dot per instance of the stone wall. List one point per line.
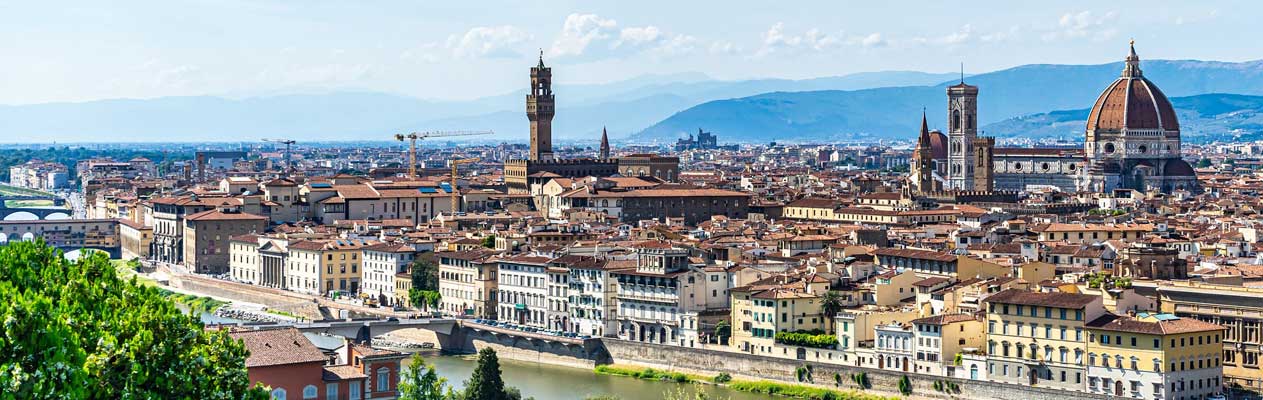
(528, 350)
(295, 305)
(711, 362)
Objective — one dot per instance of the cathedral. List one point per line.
(1132, 141)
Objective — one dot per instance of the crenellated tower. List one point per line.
(540, 109)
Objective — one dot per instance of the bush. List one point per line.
(723, 377)
(648, 374)
(807, 339)
(905, 385)
(797, 391)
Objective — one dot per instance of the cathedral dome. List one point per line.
(1178, 168)
(1133, 103)
(938, 145)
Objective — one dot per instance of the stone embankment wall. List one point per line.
(227, 290)
(517, 348)
(711, 362)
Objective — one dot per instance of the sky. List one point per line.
(446, 50)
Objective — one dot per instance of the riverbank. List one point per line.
(787, 390)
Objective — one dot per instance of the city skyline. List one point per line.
(145, 50)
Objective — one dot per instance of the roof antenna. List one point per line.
(962, 72)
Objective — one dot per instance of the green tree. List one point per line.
(489, 241)
(722, 332)
(1203, 163)
(75, 330)
(486, 383)
(424, 299)
(830, 305)
(421, 382)
(425, 273)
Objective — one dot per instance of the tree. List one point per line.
(489, 241)
(830, 305)
(722, 331)
(486, 383)
(421, 382)
(75, 330)
(1203, 163)
(426, 299)
(425, 273)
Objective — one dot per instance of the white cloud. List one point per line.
(775, 39)
(1084, 25)
(579, 32)
(591, 37)
(724, 47)
(488, 41)
(873, 40)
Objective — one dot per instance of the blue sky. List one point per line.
(87, 50)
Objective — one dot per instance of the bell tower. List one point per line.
(962, 122)
(540, 109)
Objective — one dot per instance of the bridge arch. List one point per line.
(57, 215)
(4, 238)
(28, 237)
(21, 216)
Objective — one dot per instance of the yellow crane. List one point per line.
(412, 144)
(455, 191)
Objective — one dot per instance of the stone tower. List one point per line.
(984, 164)
(605, 145)
(962, 122)
(922, 170)
(540, 109)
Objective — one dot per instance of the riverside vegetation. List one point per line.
(753, 386)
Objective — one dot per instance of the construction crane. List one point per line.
(412, 144)
(287, 142)
(456, 192)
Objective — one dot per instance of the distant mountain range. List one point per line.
(652, 108)
(625, 106)
(894, 112)
(1205, 115)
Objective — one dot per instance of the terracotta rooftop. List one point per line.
(278, 347)
(1050, 299)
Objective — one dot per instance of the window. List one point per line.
(278, 394)
(353, 390)
(309, 392)
(383, 379)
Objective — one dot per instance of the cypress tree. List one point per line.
(486, 383)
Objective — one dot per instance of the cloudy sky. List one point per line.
(87, 50)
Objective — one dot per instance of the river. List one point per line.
(543, 382)
(547, 382)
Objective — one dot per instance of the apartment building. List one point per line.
(381, 262)
(1038, 338)
(468, 283)
(938, 339)
(1154, 356)
(1235, 308)
(654, 297)
(591, 294)
(522, 289)
(776, 304)
(206, 237)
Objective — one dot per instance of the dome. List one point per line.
(1133, 103)
(938, 145)
(1178, 168)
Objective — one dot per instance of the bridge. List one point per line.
(65, 234)
(454, 335)
(364, 330)
(58, 211)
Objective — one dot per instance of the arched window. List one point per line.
(955, 120)
(278, 394)
(309, 392)
(383, 379)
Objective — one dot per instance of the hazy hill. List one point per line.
(624, 106)
(1201, 116)
(895, 112)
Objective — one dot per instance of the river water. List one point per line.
(544, 382)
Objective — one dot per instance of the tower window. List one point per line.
(956, 120)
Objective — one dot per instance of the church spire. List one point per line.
(605, 144)
(923, 141)
(1133, 62)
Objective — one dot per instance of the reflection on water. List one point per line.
(543, 382)
(547, 382)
